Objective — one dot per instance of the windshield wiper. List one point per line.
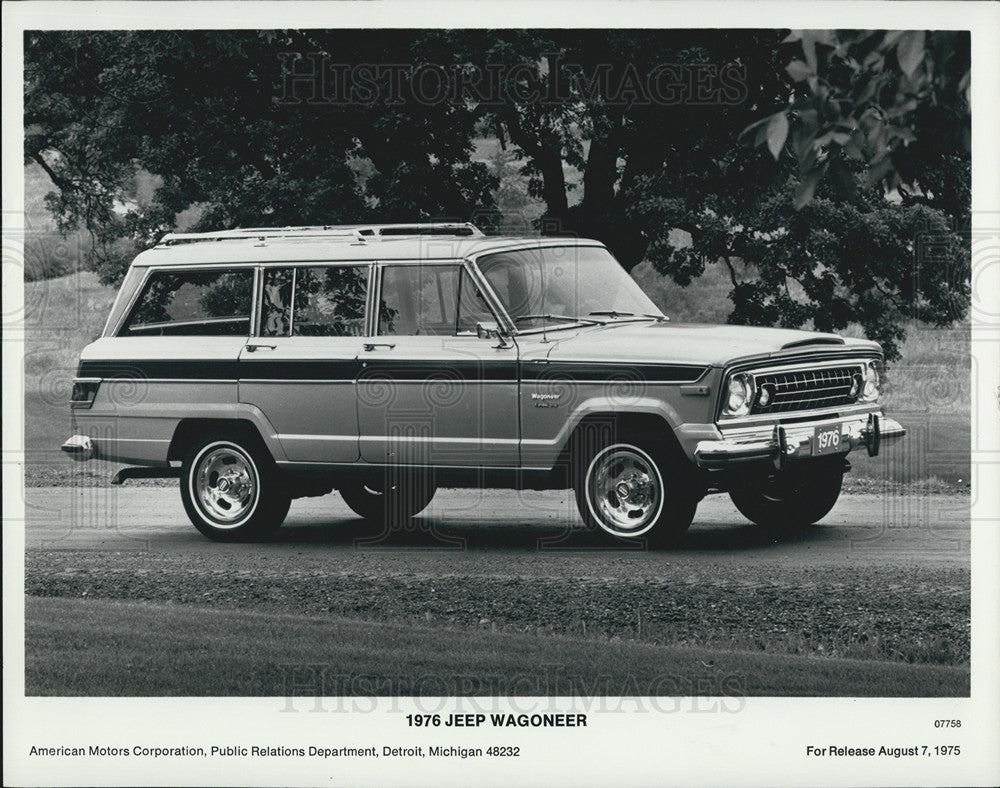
(613, 314)
(563, 318)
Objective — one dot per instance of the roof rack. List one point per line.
(357, 233)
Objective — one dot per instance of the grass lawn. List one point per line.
(94, 647)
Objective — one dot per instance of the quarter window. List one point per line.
(193, 303)
(322, 301)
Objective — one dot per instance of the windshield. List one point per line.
(542, 287)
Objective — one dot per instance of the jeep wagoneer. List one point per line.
(384, 361)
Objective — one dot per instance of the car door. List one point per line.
(300, 368)
(430, 390)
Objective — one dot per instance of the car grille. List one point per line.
(806, 389)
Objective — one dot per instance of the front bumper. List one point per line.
(780, 443)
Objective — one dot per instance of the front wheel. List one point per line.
(231, 488)
(394, 498)
(632, 487)
(797, 497)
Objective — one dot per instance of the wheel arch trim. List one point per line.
(245, 417)
(548, 453)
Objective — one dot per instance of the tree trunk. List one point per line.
(549, 162)
(600, 176)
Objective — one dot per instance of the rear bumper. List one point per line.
(790, 442)
(79, 447)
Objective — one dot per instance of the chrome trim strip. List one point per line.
(198, 381)
(774, 418)
(371, 305)
(137, 440)
(286, 381)
(582, 382)
(296, 381)
(291, 312)
(373, 312)
(363, 464)
(397, 439)
(340, 438)
(257, 294)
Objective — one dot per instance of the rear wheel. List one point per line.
(794, 498)
(231, 488)
(631, 487)
(392, 498)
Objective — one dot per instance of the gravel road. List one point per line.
(883, 577)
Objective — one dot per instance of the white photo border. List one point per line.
(764, 742)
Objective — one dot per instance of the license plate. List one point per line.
(827, 440)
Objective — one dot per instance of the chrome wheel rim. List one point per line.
(377, 491)
(224, 483)
(624, 490)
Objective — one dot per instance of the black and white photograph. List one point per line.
(405, 393)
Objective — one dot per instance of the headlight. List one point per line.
(739, 395)
(870, 383)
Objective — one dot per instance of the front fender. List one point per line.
(542, 451)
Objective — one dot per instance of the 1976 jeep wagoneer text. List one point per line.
(384, 361)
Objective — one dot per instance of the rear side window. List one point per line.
(321, 301)
(193, 303)
(429, 300)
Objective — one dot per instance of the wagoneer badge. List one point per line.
(545, 400)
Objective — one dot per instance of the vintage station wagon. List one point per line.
(384, 361)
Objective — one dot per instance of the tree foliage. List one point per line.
(210, 114)
(844, 202)
(897, 101)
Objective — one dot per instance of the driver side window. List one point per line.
(429, 300)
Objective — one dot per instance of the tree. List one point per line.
(869, 222)
(624, 136)
(897, 101)
(211, 115)
(650, 165)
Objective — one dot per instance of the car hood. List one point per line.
(684, 343)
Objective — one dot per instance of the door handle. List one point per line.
(369, 346)
(255, 348)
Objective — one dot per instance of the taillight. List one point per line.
(84, 391)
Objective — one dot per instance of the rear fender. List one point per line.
(240, 417)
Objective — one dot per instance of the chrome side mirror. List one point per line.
(488, 330)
